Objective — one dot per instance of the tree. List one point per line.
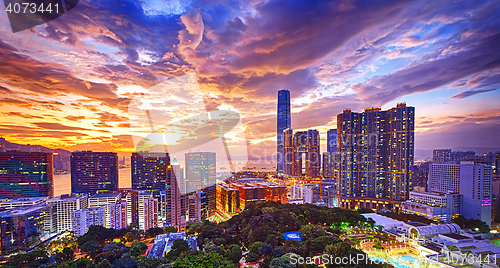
(473, 224)
(66, 254)
(178, 246)
(138, 249)
(29, 260)
(125, 262)
(145, 262)
(104, 264)
(200, 260)
(312, 231)
(234, 253)
(282, 262)
(169, 229)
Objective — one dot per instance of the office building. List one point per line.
(420, 176)
(201, 175)
(183, 188)
(26, 174)
(457, 156)
(118, 215)
(22, 228)
(274, 192)
(473, 181)
(284, 121)
(66, 205)
(288, 151)
(376, 153)
(228, 199)
(331, 139)
(249, 194)
(93, 171)
(328, 169)
(149, 171)
(141, 198)
(441, 207)
(150, 213)
(197, 206)
(441, 156)
(105, 200)
(173, 213)
(20, 202)
(83, 218)
(302, 154)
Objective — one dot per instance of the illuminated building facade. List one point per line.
(442, 207)
(228, 199)
(150, 213)
(201, 176)
(105, 200)
(375, 156)
(22, 228)
(93, 171)
(66, 205)
(118, 215)
(26, 174)
(249, 194)
(302, 153)
(83, 218)
(284, 121)
(441, 156)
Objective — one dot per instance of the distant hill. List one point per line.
(427, 154)
(61, 160)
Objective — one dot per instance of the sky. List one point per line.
(74, 82)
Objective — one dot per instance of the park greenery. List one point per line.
(255, 235)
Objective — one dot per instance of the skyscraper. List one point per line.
(303, 154)
(149, 171)
(183, 190)
(26, 174)
(150, 213)
(93, 171)
(331, 138)
(173, 213)
(328, 164)
(284, 121)
(375, 156)
(201, 175)
(473, 181)
(441, 156)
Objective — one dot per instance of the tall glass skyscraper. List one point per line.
(93, 171)
(26, 174)
(376, 153)
(201, 176)
(284, 121)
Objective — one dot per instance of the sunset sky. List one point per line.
(68, 83)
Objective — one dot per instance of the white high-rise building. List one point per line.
(104, 199)
(473, 181)
(118, 215)
(83, 218)
(150, 213)
(66, 205)
(141, 198)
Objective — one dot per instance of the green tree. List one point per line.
(200, 260)
(138, 249)
(234, 253)
(178, 246)
(169, 229)
(104, 264)
(282, 262)
(312, 231)
(29, 260)
(66, 254)
(145, 262)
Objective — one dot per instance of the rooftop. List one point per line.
(66, 197)
(26, 199)
(105, 195)
(19, 211)
(416, 224)
(456, 236)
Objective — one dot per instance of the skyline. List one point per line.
(66, 84)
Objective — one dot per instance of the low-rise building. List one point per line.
(104, 199)
(23, 201)
(441, 207)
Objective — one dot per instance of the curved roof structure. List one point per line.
(434, 230)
